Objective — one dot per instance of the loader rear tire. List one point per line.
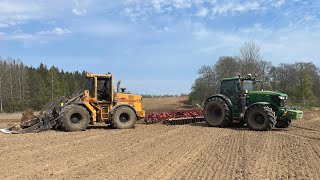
(260, 118)
(124, 118)
(74, 118)
(217, 113)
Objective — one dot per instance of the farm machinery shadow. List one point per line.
(236, 126)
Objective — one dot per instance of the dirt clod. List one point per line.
(27, 115)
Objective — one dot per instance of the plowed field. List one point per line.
(164, 152)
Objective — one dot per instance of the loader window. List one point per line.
(90, 86)
(104, 89)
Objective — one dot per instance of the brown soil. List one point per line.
(165, 152)
(164, 104)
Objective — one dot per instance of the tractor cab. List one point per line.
(237, 90)
(236, 87)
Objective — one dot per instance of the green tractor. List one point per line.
(240, 102)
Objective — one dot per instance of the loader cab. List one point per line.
(99, 87)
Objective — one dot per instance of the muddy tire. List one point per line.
(283, 124)
(123, 118)
(217, 113)
(260, 118)
(74, 118)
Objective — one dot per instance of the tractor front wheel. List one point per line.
(260, 118)
(217, 113)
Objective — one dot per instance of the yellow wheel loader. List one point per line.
(98, 102)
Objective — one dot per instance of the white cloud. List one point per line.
(279, 3)
(15, 12)
(203, 12)
(15, 36)
(235, 7)
(103, 28)
(182, 4)
(55, 31)
(79, 12)
(81, 6)
(139, 9)
(277, 45)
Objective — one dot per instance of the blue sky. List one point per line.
(155, 46)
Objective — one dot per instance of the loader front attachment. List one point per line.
(47, 118)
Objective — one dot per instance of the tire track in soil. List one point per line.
(256, 144)
(279, 163)
(142, 162)
(317, 139)
(98, 160)
(123, 148)
(195, 168)
(184, 171)
(227, 156)
(218, 160)
(172, 160)
(55, 141)
(36, 157)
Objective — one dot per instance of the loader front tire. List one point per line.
(74, 118)
(124, 118)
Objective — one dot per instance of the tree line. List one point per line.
(300, 80)
(24, 87)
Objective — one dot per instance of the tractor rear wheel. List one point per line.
(283, 124)
(217, 113)
(260, 118)
(74, 118)
(124, 118)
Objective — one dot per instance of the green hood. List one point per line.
(268, 93)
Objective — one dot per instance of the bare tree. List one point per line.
(250, 58)
(227, 66)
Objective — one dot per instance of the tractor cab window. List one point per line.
(90, 86)
(248, 86)
(104, 89)
(231, 89)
